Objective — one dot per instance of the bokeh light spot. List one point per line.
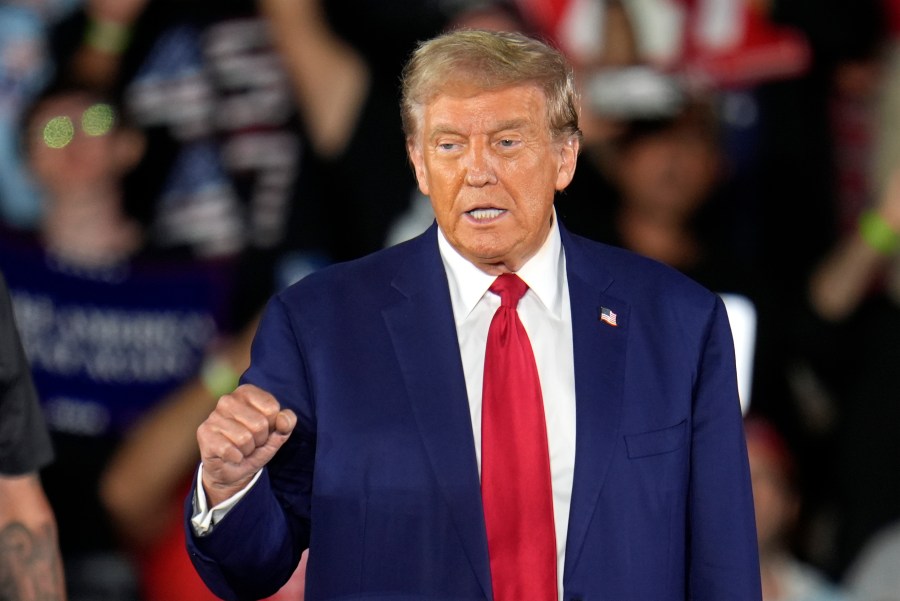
(58, 132)
(98, 119)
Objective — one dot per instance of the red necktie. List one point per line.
(515, 464)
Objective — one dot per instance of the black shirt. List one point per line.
(24, 442)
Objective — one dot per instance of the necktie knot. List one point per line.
(510, 288)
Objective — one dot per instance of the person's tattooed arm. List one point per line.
(30, 566)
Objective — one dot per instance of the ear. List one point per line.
(568, 156)
(417, 158)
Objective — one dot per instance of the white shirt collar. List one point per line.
(543, 273)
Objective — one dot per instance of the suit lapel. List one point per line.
(599, 353)
(424, 338)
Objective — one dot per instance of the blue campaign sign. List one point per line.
(106, 345)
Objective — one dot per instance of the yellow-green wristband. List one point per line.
(107, 36)
(218, 377)
(878, 233)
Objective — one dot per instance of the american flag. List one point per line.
(608, 316)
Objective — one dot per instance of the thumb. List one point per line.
(285, 421)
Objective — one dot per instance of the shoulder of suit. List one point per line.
(362, 276)
(635, 274)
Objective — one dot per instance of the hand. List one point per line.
(239, 437)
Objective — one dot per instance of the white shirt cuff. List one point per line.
(205, 518)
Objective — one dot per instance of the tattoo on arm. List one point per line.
(30, 568)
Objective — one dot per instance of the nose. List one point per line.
(480, 165)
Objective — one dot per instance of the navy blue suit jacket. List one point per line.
(379, 477)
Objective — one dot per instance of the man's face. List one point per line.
(486, 159)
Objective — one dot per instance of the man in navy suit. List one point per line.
(357, 430)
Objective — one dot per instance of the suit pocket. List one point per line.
(656, 442)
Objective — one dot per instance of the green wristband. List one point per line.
(878, 233)
(218, 377)
(107, 36)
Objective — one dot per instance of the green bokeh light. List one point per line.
(58, 132)
(98, 119)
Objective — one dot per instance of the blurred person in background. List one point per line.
(30, 564)
(815, 175)
(26, 66)
(221, 173)
(663, 179)
(260, 118)
(109, 324)
(856, 294)
(852, 341)
(777, 504)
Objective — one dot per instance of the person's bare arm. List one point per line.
(30, 565)
(161, 452)
(330, 78)
(138, 485)
(621, 46)
(841, 282)
(96, 62)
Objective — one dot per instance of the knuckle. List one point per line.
(244, 438)
(268, 405)
(206, 434)
(226, 403)
(232, 454)
(259, 423)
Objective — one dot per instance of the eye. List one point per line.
(447, 145)
(508, 143)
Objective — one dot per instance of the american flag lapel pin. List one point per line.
(608, 315)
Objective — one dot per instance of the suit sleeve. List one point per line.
(254, 550)
(723, 555)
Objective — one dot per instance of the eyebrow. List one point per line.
(502, 126)
(443, 130)
(511, 124)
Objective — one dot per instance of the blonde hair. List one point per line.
(489, 59)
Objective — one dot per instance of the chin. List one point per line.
(486, 253)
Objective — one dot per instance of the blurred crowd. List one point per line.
(166, 165)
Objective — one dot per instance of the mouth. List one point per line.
(483, 215)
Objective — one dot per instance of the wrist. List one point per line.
(218, 376)
(878, 234)
(217, 493)
(107, 36)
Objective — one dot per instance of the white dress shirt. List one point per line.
(545, 313)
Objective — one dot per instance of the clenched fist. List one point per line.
(239, 437)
